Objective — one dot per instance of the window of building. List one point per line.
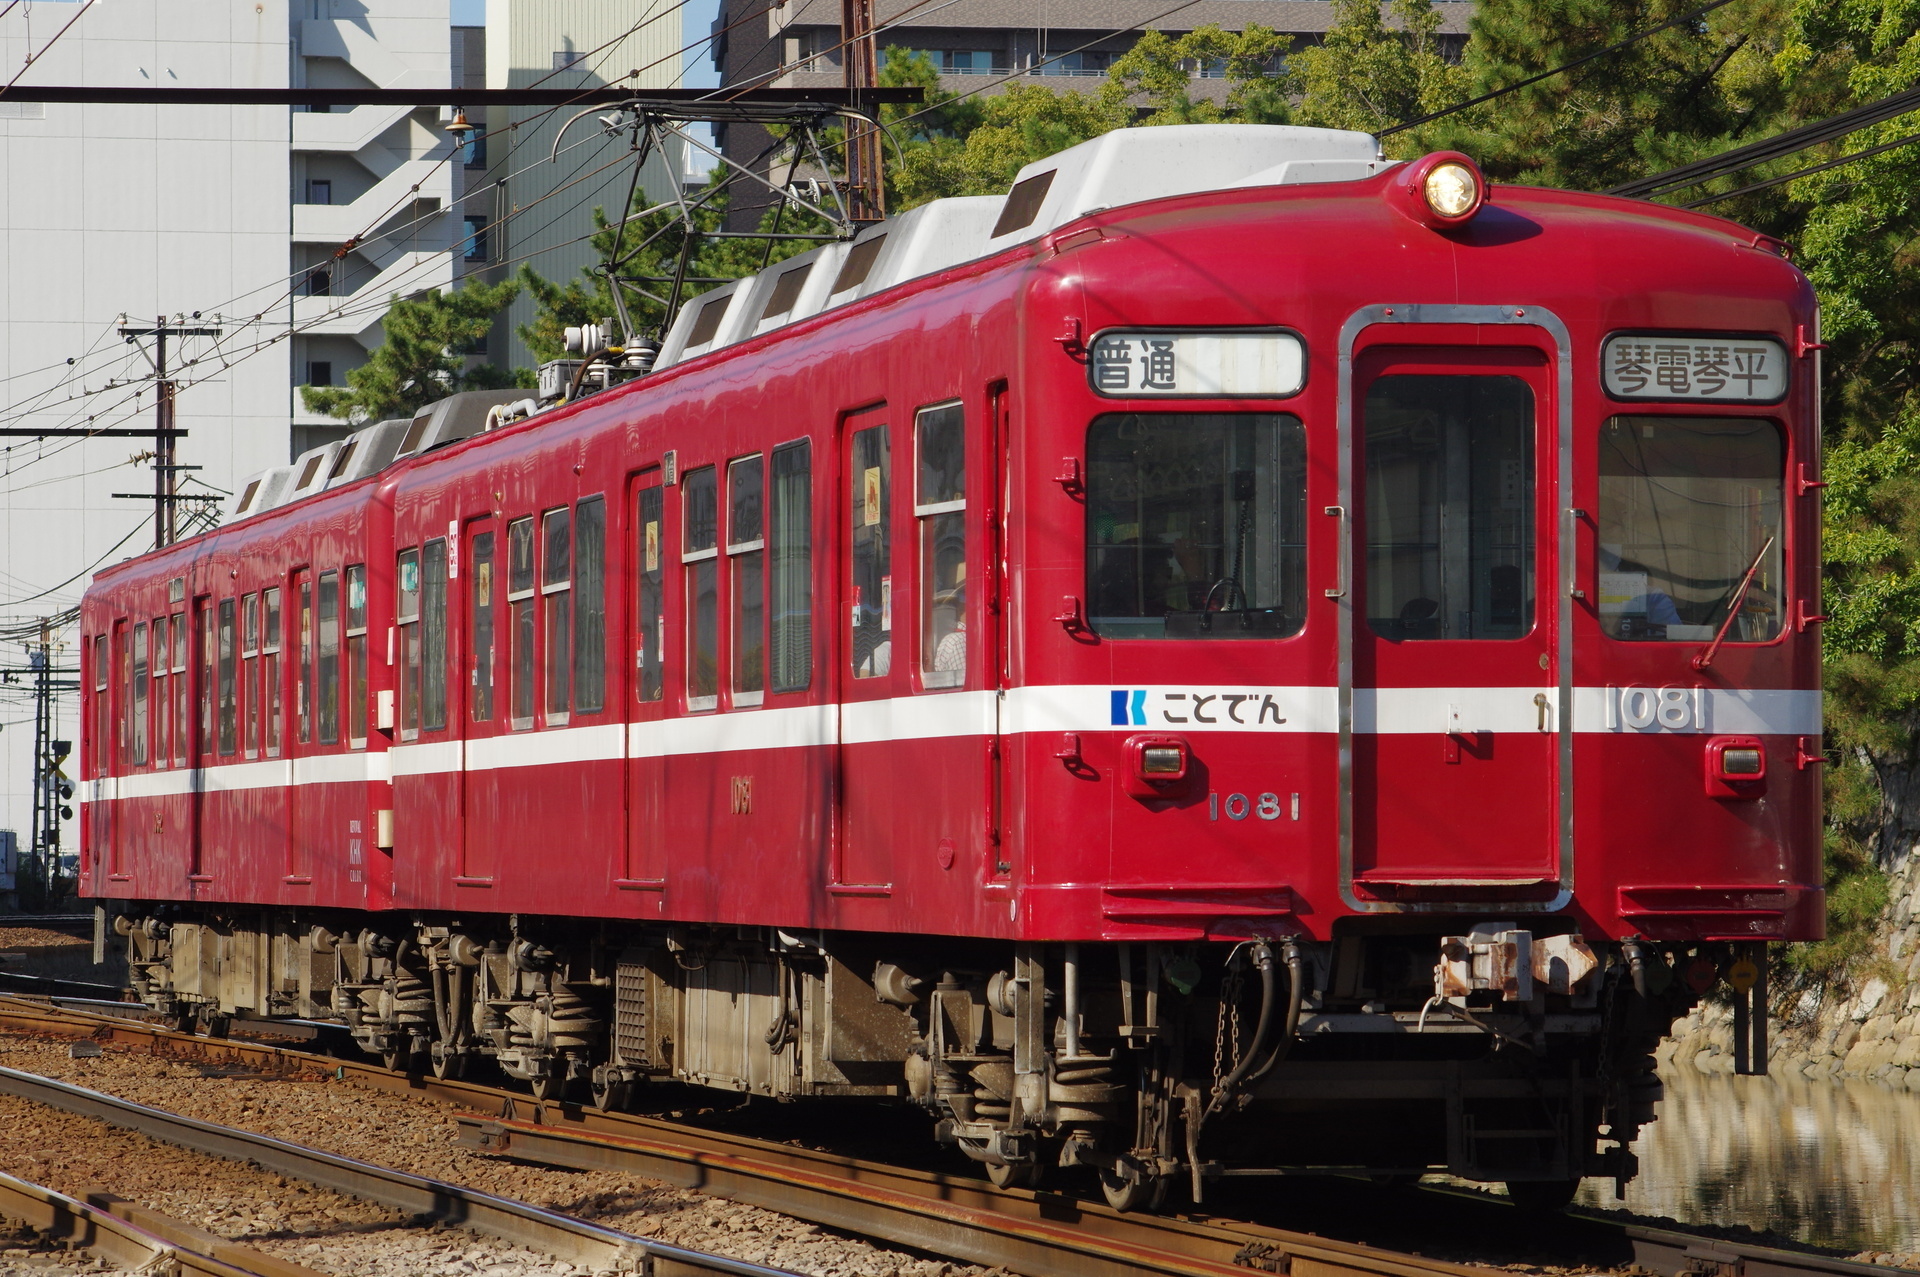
(872, 555)
(270, 667)
(250, 674)
(433, 635)
(407, 620)
(1690, 510)
(229, 702)
(590, 605)
(1449, 507)
(357, 656)
(474, 247)
(699, 498)
(649, 644)
(966, 62)
(303, 666)
(1196, 525)
(520, 619)
(556, 597)
(940, 507)
(480, 627)
(141, 683)
(747, 564)
(565, 59)
(320, 282)
(319, 190)
(326, 673)
(320, 372)
(790, 545)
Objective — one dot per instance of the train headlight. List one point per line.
(1440, 191)
(1736, 767)
(1163, 760)
(1741, 762)
(1451, 189)
(1156, 766)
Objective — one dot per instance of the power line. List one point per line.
(33, 57)
(1882, 149)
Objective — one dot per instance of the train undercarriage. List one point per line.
(1483, 1050)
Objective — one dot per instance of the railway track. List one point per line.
(952, 1216)
(128, 1235)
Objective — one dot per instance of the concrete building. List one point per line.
(543, 210)
(977, 44)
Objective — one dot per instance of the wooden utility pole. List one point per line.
(866, 187)
(166, 527)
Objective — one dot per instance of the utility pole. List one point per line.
(165, 525)
(51, 790)
(866, 190)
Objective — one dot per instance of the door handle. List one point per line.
(1342, 558)
(1542, 708)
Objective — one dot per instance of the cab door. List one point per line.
(1453, 702)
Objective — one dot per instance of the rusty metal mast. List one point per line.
(866, 187)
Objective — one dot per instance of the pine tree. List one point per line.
(423, 358)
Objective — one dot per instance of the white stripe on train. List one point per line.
(1086, 708)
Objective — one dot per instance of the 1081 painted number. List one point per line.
(1240, 806)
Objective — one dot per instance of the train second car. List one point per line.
(1236, 657)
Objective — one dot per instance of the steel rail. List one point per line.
(578, 1241)
(130, 1236)
(957, 1216)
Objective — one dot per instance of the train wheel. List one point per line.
(212, 1025)
(1542, 1196)
(609, 1092)
(446, 1064)
(1013, 1174)
(548, 1087)
(401, 1059)
(1138, 1192)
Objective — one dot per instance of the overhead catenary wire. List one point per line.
(33, 57)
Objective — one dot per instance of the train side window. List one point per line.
(162, 698)
(1689, 507)
(650, 639)
(556, 605)
(872, 552)
(520, 620)
(141, 683)
(790, 547)
(433, 635)
(1196, 525)
(480, 629)
(699, 497)
(747, 568)
(250, 675)
(205, 640)
(182, 711)
(590, 605)
(303, 656)
(326, 674)
(123, 662)
(356, 656)
(940, 507)
(270, 667)
(406, 615)
(228, 742)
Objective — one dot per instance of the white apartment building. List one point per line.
(236, 217)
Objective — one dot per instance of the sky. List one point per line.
(696, 21)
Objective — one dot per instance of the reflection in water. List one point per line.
(1829, 1163)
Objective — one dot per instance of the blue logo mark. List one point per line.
(1129, 707)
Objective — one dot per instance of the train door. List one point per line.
(1455, 644)
(644, 867)
(479, 694)
(867, 677)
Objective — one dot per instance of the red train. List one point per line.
(1236, 657)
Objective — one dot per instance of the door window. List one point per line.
(1196, 525)
(872, 555)
(433, 635)
(1449, 507)
(480, 629)
(229, 708)
(327, 661)
(141, 682)
(650, 637)
(1689, 507)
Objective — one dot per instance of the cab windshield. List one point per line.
(1196, 525)
(1689, 506)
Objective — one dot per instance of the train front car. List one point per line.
(1419, 686)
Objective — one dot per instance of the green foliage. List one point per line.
(1367, 75)
(423, 358)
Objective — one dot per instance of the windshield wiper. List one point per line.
(1705, 658)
